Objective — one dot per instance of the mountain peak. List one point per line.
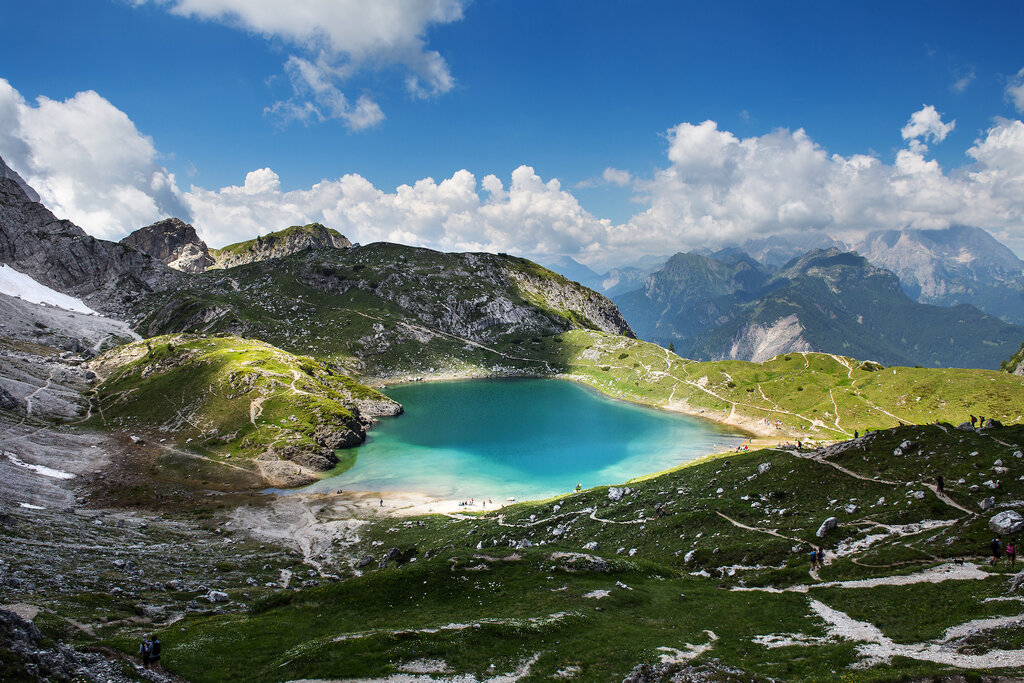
(9, 173)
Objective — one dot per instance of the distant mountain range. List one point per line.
(729, 306)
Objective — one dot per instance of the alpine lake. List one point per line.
(525, 439)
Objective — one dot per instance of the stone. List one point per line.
(919, 495)
(1007, 522)
(688, 557)
(614, 493)
(993, 424)
(217, 596)
(393, 554)
(827, 526)
(592, 545)
(764, 467)
(987, 503)
(1018, 454)
(850, 509)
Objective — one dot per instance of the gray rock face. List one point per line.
(280, 244)
(60, 255)
(174, 242)
(827, 526)
(958, 265)
(758, 343)
(8, 172)
(1007, 522)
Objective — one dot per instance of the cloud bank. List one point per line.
(338, 38)
(90, 164)
(87, 161)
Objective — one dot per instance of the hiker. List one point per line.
(814, 558)
(821, 556)
(578, 487)
(382, 502)
(154, 652)
(940, 484)
(974, 421)
(1011, 553)
(145, 649)
(856, 434)
(981, 422)
(997, 547)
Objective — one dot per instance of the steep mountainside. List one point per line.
(280, 244)
(387, 309)
(959, 265)
(8, 172)
(1015, 363)
(689, 295)
(174, 242)
(60, 255)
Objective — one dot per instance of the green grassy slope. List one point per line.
(226, 396)
(815, 395)
(707, 562)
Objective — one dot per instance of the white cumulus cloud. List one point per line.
(927, 124)
(530, 216)
(88, 162)
(342, 37)
(1015, 90)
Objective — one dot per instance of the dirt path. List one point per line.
(46, 385)
(770, 532)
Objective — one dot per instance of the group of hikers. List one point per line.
(998, 550)
(472, 501)
(817, 557)
(149, 651)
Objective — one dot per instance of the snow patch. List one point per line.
(18, 284)
(39, 469)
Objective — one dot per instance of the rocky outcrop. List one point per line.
(60, 255)
(280, 244)
(758, 343)
(1007, 522)
(580, 304)
(8, 172)
(174, 242)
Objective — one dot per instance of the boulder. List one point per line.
(614, 493)
(1007, 522)
(334, 437)
(988, 503)
(965, 426)
(217, 596)
(827, 526)
(764, 467)
(590, 546)
(992, 424)
(7, 402)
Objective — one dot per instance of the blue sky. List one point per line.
(568, 88)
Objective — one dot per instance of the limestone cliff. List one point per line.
(174, 242)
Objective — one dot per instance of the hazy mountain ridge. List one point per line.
(831, 301)
(958, 265)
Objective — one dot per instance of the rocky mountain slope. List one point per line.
(386, 309)
(280, 244)
(174, 242)
(829, 301)
(691, 294)
(958, 265)
(60, 255)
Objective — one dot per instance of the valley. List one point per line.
(138, 445)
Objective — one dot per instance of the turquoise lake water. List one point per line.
(522, 438)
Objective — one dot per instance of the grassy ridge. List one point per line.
(226, 396)
(814, 395)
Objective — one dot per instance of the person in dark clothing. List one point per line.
(997, 550)
(145, 650)
(974, 421)
(940, 483)
(154, 652)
